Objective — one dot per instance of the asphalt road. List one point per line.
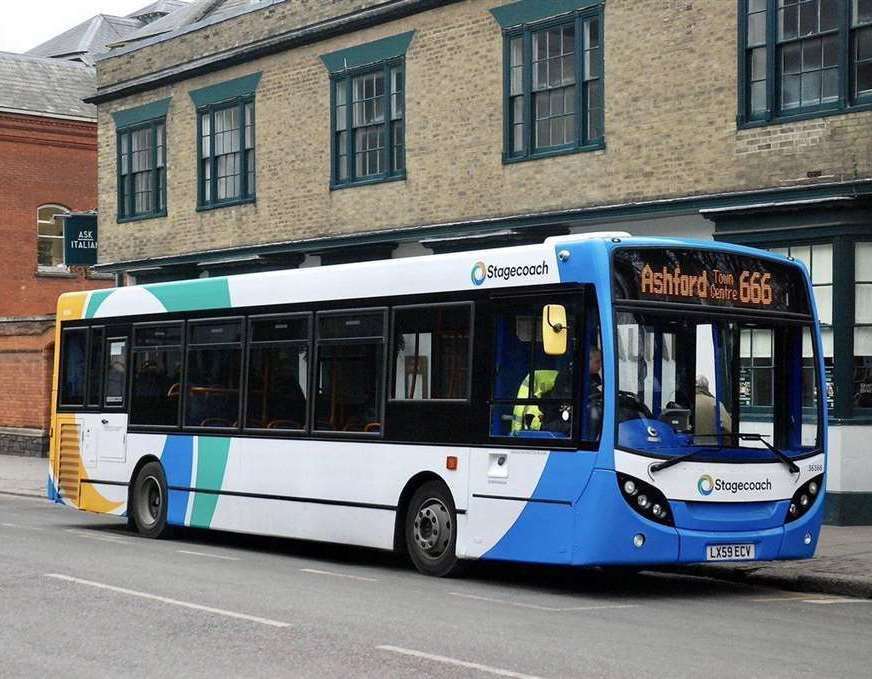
(80, 596)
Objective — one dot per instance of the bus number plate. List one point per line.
(730, 552)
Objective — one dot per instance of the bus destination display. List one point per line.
(708, 278)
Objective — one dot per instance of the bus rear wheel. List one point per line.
(148, 501)
(431, 531)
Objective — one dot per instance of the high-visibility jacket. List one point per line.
(543, 383)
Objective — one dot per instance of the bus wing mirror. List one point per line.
(554, 330)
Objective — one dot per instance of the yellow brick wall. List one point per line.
(670, 127)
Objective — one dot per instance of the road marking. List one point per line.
(338, 575)
(167, 600)
(211, 556)
(537, 607)
(804, 598)
(9, 525)
(457, 663)
(115, 539)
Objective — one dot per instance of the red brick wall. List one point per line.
(42, 161)
(25, 372)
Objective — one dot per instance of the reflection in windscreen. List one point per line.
(708, 383)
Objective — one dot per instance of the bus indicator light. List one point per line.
(451, 463)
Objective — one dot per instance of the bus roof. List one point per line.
(507, 267)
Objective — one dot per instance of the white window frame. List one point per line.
(44, 267)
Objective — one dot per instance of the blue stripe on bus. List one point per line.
(178, 460)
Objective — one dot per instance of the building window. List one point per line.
(554, 87)
(142, 172)
(862, 374)
(227, 167)
(818, 258)
(804, 57)
(50, 237)
(369, 125)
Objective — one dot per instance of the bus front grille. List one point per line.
(68, 462)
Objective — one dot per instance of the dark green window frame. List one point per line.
(521, 113)
(351, 163)
(147, 199)
(212, 187)
(780, 69)
(843, 326)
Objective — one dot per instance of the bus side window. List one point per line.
(350, 371)
(95, 367)
(73, 349)
(116, 372)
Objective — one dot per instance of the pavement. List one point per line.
(842, 565)
(81, 596)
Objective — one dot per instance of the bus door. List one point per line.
(106, 436)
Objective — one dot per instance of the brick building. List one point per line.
(48, 167)
(246, 136)
(48, 147)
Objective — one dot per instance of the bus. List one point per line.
(596, 399)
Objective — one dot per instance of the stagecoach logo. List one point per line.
(479, 273)
(482, 272)
(705, 485)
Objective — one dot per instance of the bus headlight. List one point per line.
(804, 498)
(645, 499)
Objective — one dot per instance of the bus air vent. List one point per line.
(68, 462)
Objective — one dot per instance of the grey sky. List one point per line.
(27, 23)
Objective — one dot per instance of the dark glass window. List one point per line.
(157, 375)
(95, 367)
(554, 80)
(796, 53)
(350, 372)
(142, 179)
(116, 372)
(278, 373)
(368, 125)
(214, 367)
(432, 352)
(72, 385)
(533, 393)
(227, 153)
(862, 382)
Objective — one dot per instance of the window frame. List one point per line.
(392, 378)
(845, 102)
(42, 268)
(525, 33)
(318, 342)
(109, 338)
(124, 194)
(182, 348)
(347, 78)
(250, 344)
(246, 195)
(581, 306)
(188, 346)
(864, 411)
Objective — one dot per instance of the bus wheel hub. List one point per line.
(432, 527)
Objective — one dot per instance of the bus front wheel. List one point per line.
(431, 530)
(148, 501)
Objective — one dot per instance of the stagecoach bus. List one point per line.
(591, 400)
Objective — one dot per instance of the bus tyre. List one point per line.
(147, 510)
(431, 530)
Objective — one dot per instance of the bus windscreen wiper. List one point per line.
(741, 436)
(772, 449)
